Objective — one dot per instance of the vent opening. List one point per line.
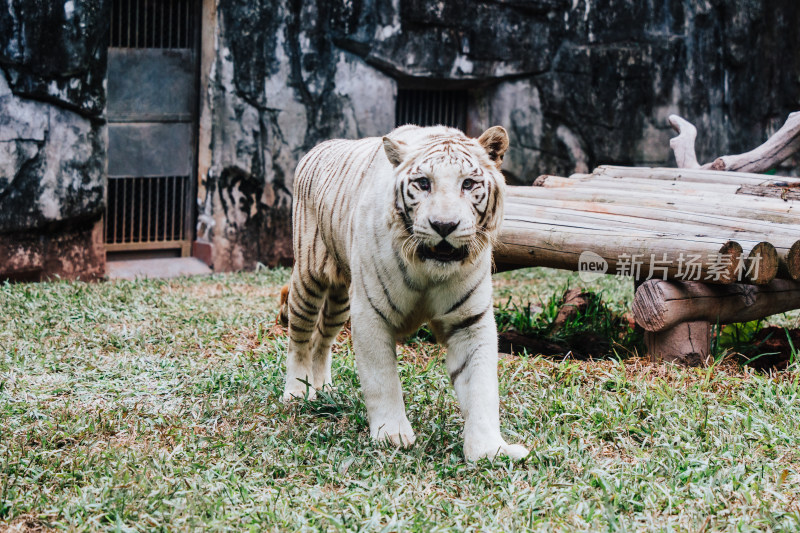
(432, 108)
(146, 210)
(152, 24)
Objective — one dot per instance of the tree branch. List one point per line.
(779, 147)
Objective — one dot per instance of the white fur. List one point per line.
(387, 300)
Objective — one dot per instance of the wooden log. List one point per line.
(781, 236)
(530, 242)
(689, 175)
(625, 186)
(683, 144)
(592, 181)
(761, 264)
(790, 226)
(765, 260)
(672, 187)
(791, 263)
(687, 343)
(771, 191)
(737, 206)
(661, 305)
(780, 146)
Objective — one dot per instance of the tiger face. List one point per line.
(448, 194)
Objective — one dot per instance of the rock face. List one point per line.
(576, 82)
(52, 137)
(280, 87)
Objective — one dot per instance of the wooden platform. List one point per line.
(701, 247)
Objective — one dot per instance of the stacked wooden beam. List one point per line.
(705, 246)
(656, 214)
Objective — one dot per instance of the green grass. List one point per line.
(597, 327)
(153, 405)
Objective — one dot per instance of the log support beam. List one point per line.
(676, 316)
(687, 343)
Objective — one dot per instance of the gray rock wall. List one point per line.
(280, 86)
(576, 82)
(585, 82)
(52, 136)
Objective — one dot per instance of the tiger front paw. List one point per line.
(398, 434)
(293, 394)
(490, 451)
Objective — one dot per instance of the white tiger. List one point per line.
(396, 232)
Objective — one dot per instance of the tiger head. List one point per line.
(448, 192)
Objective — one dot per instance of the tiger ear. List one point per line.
(395, 150)
(495, 142)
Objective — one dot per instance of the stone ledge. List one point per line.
(74, 253)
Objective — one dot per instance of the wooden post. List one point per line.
(687, 343)
(677, 315)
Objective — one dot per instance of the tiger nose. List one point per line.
(443, 228)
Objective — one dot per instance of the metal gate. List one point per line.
(432, 108)
(152, 116)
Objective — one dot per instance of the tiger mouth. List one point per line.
(443, 252)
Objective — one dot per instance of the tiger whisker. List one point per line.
(409, 247)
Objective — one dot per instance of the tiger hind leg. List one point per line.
(306, 298)
(333, 315)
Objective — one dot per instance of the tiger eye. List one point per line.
(424, 184)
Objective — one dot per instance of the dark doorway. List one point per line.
(432, 108)
(152, 133)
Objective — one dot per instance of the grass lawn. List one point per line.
(153, 405)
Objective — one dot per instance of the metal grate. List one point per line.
(432, 108)
(153, 23)
(153, 48)
(146, 210)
